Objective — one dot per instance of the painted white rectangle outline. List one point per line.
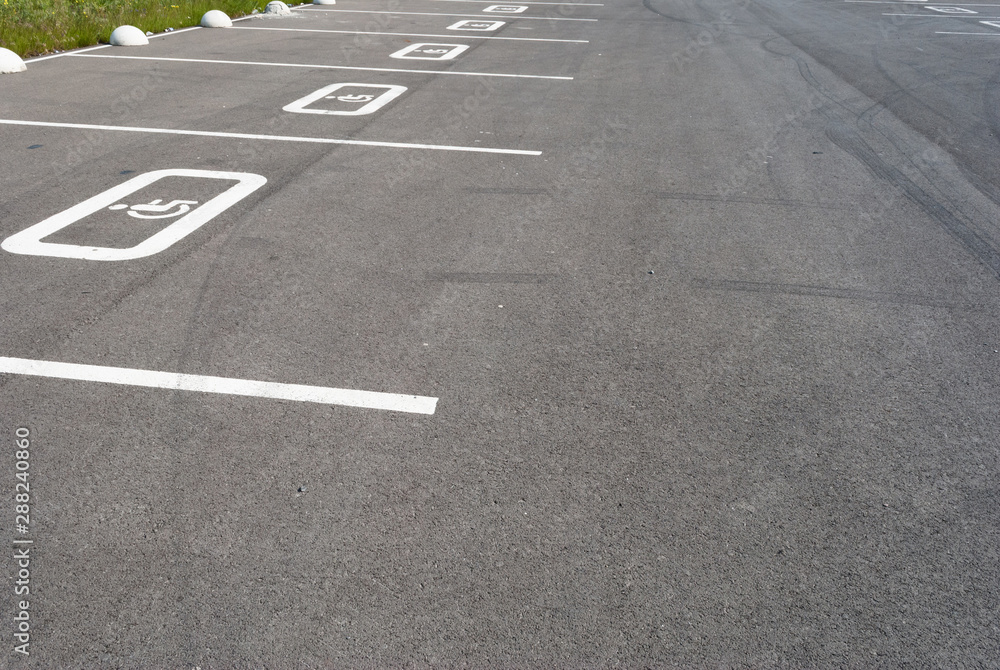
(491, 26)
(449, 54)
(506, 9)
(29, 241)
(392, 92)
(270, 138)
(176, 381)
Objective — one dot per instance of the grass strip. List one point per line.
(36, 27)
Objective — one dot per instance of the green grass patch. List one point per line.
(34, 27)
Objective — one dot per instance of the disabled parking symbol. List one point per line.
(505, 9)
(427, 51)
(346, 99)
(101, 215)
(480, 26)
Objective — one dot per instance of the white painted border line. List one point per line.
(466, 16)
(152, 37)
(176, 381)
(452, 36)
(67, 53)
(271, 138)
(326, 67)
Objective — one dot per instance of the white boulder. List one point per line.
(10, 62)
(216, 19)
(277, 8)
(128, 36)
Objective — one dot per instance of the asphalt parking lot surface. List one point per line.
(450, 333)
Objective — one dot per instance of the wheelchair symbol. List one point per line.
(155, 210)
(351, 98)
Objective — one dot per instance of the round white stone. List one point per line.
(216, 19)
(277, 7)
(128, 36)
(10, 62)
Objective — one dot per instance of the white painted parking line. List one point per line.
(482, 26)
(271, 138)
(452, 36)
(330, 67)
(367, 11)
(368, 101)
(176, 381)
(428, 51)
(29, 241)
(508, 9)
(66, 53)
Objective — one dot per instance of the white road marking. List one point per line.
(106, 46)
(368, 11)
(176, 381)
(372, 102)
(29, 241)
(510, 9)
(991, 24)
(450, 37)
(328, 67)
(67, 53)
(271, 138)
(952, 10)
(429, 51)
(940, 32)
(477, 26)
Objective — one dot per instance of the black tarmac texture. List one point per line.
(713, 336)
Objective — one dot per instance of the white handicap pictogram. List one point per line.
(157, 211)
(351, 98)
